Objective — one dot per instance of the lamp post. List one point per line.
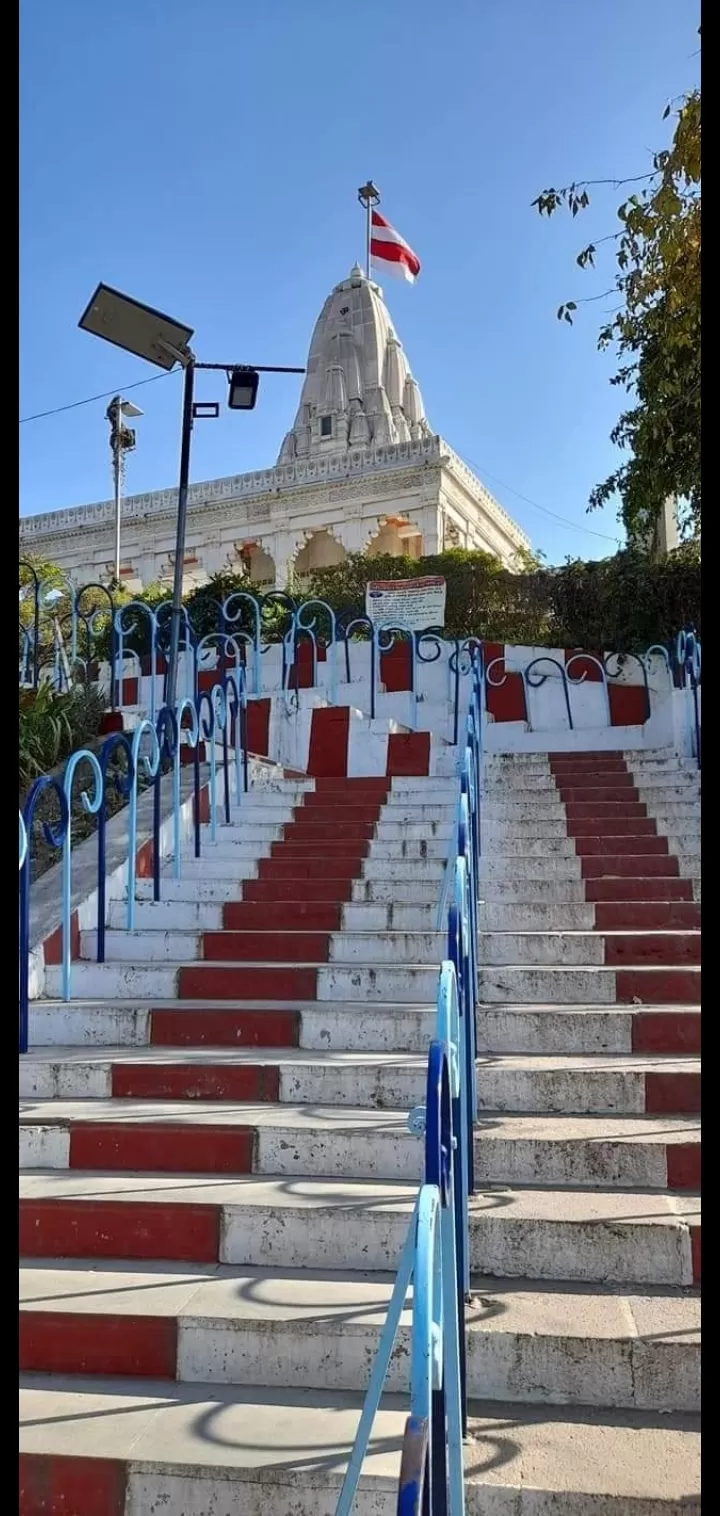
(122, 441)
(147, 333)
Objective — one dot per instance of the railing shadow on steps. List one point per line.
(216, 718)
(435, 1259)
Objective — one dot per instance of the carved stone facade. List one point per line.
(407, 493)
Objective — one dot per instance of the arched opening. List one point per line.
(398, 538)
(320, 551)
(251, 558)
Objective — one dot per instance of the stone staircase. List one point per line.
(218, 1176)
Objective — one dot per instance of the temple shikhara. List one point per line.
(360, 470)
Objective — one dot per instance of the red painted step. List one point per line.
(329, 847)
(225, 1028)
(583, 794)
(185, 1233)
(629, 865)
(639, 888)
(606, 810)
(62, 1342)
(300, 866)
(588, 847)
(611, 826)
(408, 753)
(672, 1094)
(56, 1484)
(587, 762)
(636, 948)
(320, 891)
(280, 947)
(146, 1147)
(308, 829)
(671, 1032)
(274, 916)
(372, 785)
(196, 1081)
(657, 986)
(594, 779)
(651, 915)
(355, 807)
(684, 1166)
(208, 982)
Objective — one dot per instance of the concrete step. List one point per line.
(584, 948)
(299, 1331)
(68, 1105)
(616, 1236)
(570, 985)
(348, 1027)
(409, 983)
(150, 1449)
(209, 916)
(565, 1029)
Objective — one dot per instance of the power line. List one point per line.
(108, 395)
(543, 508)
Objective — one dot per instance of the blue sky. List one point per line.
(205, 158)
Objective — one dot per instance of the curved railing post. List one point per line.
(123, 784)
(91, 805)
(54, 834)
(151, 766)
(166, 731)
(191, 708)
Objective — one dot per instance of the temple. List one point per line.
(359, 471)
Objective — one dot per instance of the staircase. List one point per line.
(218, 1175)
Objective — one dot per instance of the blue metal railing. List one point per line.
(435, 1257)
(217, 717)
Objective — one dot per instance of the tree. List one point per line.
(655, 330)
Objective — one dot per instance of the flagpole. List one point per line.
(369, 195)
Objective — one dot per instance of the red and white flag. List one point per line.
(391, 250)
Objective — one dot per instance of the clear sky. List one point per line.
(204, 157)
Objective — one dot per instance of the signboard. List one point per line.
(412, 603)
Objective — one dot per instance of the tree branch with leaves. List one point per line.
(655, 329)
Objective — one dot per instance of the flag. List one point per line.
(388, 248)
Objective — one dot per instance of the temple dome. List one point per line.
(358, 389)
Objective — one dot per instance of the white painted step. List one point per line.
(348, 1027)
(295, 1330)
(548, 1028)
(207, 916)
(626, 1237)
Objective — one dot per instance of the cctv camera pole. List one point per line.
(114, 416)
(186, 435)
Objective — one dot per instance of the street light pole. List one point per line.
(113, 415)
(185, 439)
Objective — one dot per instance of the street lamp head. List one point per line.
(242, 393)
(129, 409)
(137, 328)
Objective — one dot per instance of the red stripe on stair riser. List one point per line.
(587, 763)
(666, 1032)
(252, 983)
(611, 826)
(683, 1166)
(220, 1029)
(53, 1485)
(622, 845)
(672, 1094)
(657, 987)
(670, 949)
(591, 778)
(648, 915)
(304, 915)
(321, 804)
(632, 865)
(606, 810)
(167, 1149)
(319, 891)
(408, 753)
(374, 784)
(308, 829)
(314, 849)
(60, 1342)
(589, 794)
(639, 888)
(281, 947)
(192, 1081)
(119, 1229)
(301, 867)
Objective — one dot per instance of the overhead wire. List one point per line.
(544, 509)
(107, 395)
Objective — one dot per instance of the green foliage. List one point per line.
(623, 603)
(52, 726)
(656, 329)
